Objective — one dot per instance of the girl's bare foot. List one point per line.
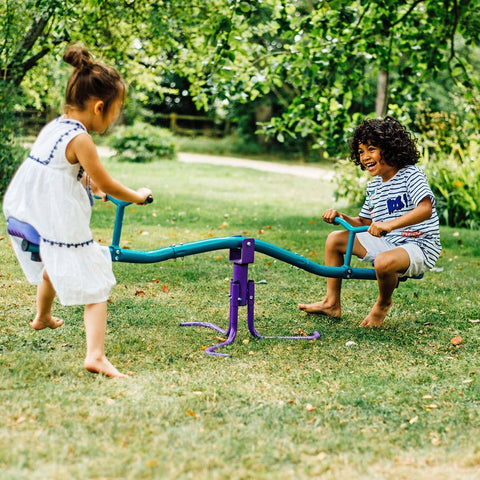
(103, 366)
(47, 322)
(377, 315)
(321, 308)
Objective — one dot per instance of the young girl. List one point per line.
(403, 237)
(51, 191)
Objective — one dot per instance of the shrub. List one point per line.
(142, 143)
(11, 154)
(456, 186)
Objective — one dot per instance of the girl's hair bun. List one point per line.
(90, 79)
(79, 57)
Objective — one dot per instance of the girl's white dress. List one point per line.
(47, 193)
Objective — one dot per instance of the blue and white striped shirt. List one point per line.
(399, 195)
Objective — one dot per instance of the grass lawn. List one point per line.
(401, 402)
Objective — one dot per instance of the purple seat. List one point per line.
(31, 238)
(23, 230)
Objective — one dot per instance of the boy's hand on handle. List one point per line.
(330, 214)
(145, 195)
(379, 229)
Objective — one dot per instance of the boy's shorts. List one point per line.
(375, 245)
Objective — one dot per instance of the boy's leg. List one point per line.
(95, 327)
(45, 296)
(387, 267)
(335, 248)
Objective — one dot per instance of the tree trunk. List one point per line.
(382, 94)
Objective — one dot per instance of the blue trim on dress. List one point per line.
(68, 245)
(77, 126)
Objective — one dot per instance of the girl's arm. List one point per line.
(423, 211)
(83, 150)
(330, 214)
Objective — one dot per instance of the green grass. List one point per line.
(400, 403)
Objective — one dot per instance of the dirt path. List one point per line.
(306, 171)
(297, 170)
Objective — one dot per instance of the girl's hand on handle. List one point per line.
(145, 195)
(330, 214)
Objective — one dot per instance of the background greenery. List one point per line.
(401, 402)
(278, 76)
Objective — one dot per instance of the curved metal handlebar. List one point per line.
(114, 200)
(349, 227)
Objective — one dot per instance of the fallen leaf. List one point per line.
(313, 222)
(223, 225)
(165, 288)
(139, 293)
(155, 280)
(413, 420)
(2, 238)
(477, 320)
(312, 254)
(310, 408)
(261, 231)
(456, 340)
(192, 414)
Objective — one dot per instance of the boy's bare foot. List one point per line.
(376, 316)
(103, 366)
(48, 322)
(321, 308)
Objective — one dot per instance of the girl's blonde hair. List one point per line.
(91, 79)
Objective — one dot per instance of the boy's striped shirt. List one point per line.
(399, 195)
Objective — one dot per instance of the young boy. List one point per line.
(403, 236)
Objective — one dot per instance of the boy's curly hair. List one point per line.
(398, 146)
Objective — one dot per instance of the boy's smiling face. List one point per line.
(371, 159)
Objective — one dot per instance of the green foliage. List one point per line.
(319, 61)
(456, 186)
(350, 183)
(10, 158)
(11, 154)
(451, 158)
(142, 143)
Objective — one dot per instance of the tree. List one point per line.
(320, 60)
(314, 66)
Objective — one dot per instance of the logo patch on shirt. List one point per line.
(397, 203)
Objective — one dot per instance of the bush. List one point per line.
(142, 143)
(10, 158)
(456, 186)
(11, 155)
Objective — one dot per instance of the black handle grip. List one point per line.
(383, 233)
(149, 199)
